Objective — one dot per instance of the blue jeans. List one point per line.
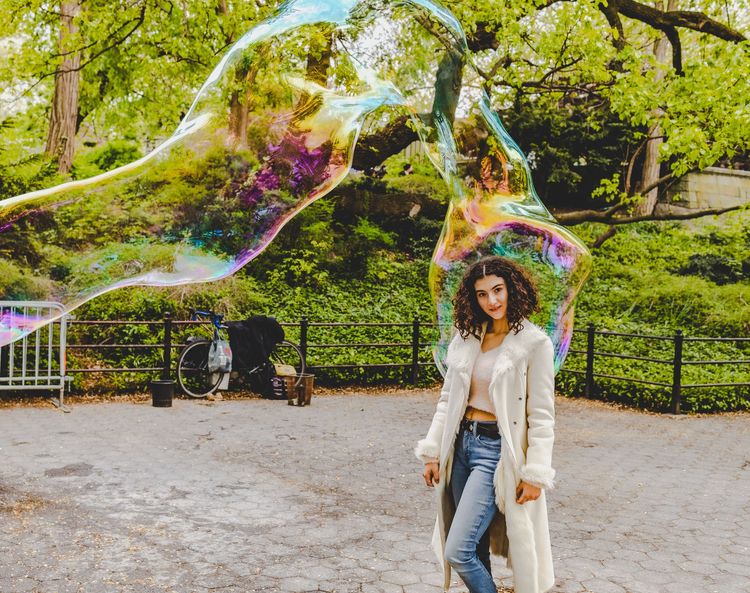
(467, 547)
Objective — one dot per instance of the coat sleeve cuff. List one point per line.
(427, 451)
(538, 475)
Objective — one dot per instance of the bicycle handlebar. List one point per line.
(216, 318)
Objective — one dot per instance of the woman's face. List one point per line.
(492, 296)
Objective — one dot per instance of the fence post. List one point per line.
(415, 351)
(303, 337)
(166, 371)
(677, 374)
(589, 387)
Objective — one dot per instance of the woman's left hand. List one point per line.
(526, 492)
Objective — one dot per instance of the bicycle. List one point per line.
(197, 380)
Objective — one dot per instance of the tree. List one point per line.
(651, 168)
(594, 59)
(591, 62)
(120, 69)
(63, 124)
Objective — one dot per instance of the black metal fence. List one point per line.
(673, 359)
(163, 333)
(415, 346)
(164, 339)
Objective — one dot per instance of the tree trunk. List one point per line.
(317, 66)
(63, 120)
(651, 165)
(241, 101)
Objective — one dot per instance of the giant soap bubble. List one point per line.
(272, 129)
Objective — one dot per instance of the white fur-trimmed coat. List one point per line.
(522, 391)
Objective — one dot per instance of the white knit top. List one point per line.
(479, 392)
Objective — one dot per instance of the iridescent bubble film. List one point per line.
(273, 128)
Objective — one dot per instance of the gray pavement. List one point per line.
(254, 495)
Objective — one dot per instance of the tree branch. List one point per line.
(138, 22)
(580, 216)
(502, 62)
(608, 234)
(397, 135)
(110, 36)
(375, 148)
(485, 36)
(687, 19)
(655, 184)
(638, 151)
(674, 39)
(631, 164)
(610, 11)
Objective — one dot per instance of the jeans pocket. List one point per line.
(493, 442)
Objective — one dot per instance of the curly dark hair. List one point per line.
(523, 297)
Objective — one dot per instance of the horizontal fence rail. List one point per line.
(676, 361)
(411, 350)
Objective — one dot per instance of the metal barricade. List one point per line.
(36, 360)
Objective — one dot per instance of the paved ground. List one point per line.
(253, 495)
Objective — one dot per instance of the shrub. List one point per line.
(716, 268)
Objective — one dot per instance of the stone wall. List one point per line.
(711, 188)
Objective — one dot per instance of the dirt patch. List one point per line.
(17, 503)
(72, 469)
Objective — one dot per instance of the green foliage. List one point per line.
(393, 292)
(22, 170)
(142, 61)
(575, 150)
(424, 179)
(637, 281)
(19, 285)
(105, 158)
(301, 268)
(321, 244)
(637, 287)
(565, 92)
(720, 269)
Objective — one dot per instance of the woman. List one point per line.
(492, 434)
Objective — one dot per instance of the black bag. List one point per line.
(252, 342)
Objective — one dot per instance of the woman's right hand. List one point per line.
(431, 473)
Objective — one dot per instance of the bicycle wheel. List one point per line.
(287, 353)
(193, 375)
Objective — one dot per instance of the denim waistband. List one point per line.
(476, 427)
